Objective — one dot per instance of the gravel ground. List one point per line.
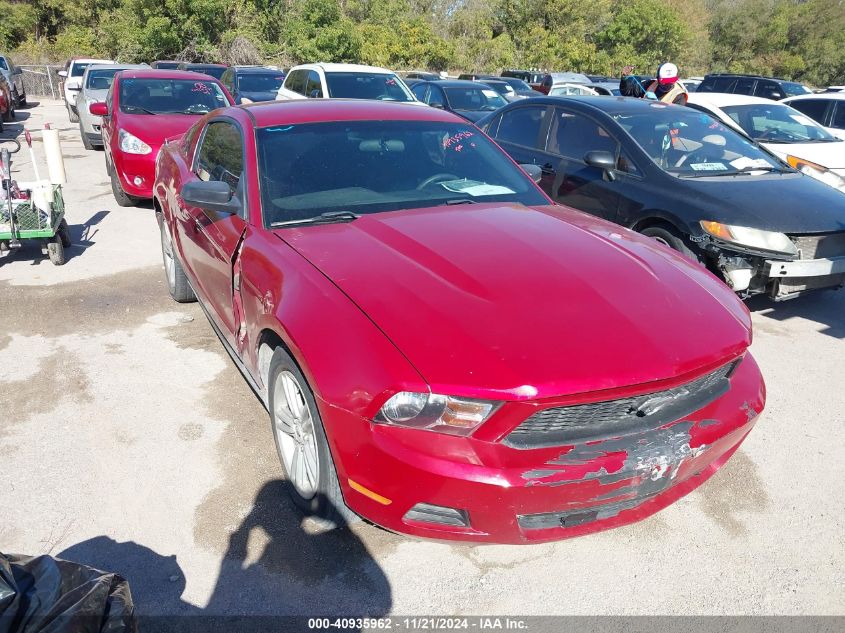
(129, 441)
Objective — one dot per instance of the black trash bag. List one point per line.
(42, 594)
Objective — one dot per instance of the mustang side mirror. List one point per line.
(212, 195)
(602, 160)
(533, 171)
(98, 109)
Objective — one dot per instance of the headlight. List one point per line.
(132, 144)
(434, 412)
(752, 238)
(817, 171)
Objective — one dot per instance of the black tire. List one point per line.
(56, 250)
(85, 142)
(177, 282)
(73, 116)
(326, 506)
(123, 199)
(9, 114)
(64, 233)
(670, 237)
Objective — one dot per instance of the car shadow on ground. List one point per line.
(14, 129)
(825, 307)
(276, 566)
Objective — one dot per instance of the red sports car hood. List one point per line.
(516, 302)
(154, 128)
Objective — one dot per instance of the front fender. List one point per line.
(347, 359)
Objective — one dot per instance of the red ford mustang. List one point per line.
(145, 107)
(442, 351)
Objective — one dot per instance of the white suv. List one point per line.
(343, 81)
(72, 75)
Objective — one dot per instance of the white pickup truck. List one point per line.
(72, 75)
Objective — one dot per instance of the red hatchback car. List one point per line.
(441, 349)
(143, 108)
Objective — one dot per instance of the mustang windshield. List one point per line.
(375, 166)
(170, 96)
(777, 123)
(688, 143)
(380, 86)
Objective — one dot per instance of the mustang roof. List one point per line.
(323, 110)
(162, 73)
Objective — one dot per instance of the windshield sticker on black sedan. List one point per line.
(708, 166)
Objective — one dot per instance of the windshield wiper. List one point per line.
(134, 107)
(330, 217)
(745, 170)
(461, 201)
(751, 168)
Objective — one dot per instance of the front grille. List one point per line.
(558, 426)
(820, 246)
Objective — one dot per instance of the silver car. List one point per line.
(96, 81)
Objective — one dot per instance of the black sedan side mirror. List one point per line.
(602, 160)
(212, 195)
(534, 172)
(17, 71)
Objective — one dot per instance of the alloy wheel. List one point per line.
(167, 255)
(294, 429)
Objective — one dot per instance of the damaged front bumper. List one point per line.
(781, 279)
(490, 491)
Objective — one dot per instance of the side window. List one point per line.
(574, 135)
(813, 108)
(221, 156)
(625, 164)
(768, 90)
(313, 88)
(296, 81)
(419, 91)
(839, 116)
(744, 86)
(435, 96)
(521, 126)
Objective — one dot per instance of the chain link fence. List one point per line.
(42, 80)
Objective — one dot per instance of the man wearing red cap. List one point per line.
(665, 88)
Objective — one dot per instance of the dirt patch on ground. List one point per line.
(91, 306)
(733, 491)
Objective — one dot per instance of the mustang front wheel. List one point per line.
(302, 445)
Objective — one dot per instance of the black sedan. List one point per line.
(468, 99)
(251, 84)
(686, 180)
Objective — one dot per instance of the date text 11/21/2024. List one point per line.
(422, 623)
